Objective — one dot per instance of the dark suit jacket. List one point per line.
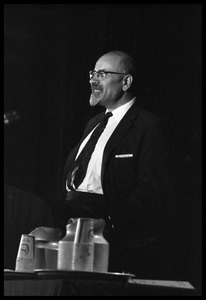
(137, 178)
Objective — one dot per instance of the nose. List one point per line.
(94, 79)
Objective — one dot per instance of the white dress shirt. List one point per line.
(92, 180)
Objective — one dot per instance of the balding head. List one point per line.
(114, 89)
(124, 62)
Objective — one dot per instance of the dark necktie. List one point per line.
(79, 168)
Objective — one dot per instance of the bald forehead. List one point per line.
(108, 60)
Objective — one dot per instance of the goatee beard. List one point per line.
(93, 101)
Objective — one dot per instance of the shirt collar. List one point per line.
(119, 112)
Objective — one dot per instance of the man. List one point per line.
(128, 181)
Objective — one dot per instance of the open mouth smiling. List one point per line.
(96, 91)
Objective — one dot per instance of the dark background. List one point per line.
(48, 51)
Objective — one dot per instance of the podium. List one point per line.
(23, 211)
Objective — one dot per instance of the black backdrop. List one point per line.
(48, 51)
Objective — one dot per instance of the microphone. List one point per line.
(10, 117)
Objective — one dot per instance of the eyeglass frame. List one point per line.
(93, 72)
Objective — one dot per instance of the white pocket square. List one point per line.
(124, 155)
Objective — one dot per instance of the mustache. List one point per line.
(96, 86)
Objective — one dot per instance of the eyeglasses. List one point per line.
(102, 74)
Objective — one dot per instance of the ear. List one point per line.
(127, 82)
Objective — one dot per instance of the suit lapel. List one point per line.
(119, 132)
(115, 138)
(91, 125)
